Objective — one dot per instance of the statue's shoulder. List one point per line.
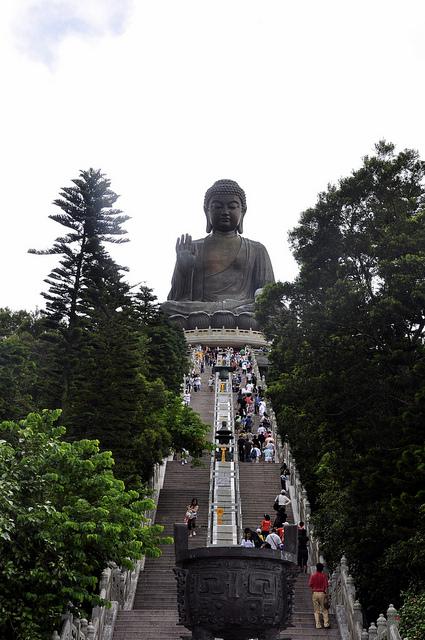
(255, 245)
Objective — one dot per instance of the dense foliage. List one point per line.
(349, 370)
(105, 353)
(63, 516)
(412, 616)
(106, 360)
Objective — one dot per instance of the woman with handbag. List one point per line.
(280, 503)
(191, 515)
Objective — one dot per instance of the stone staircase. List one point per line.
(259, 485)
(154, 615)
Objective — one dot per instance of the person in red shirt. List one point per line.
(281, 533)
(318, 583)
(266, 525)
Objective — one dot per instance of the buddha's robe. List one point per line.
(233, 287)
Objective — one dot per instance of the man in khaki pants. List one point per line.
(319, 585)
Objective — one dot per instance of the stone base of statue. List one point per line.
(236, 338)
(216, 320)
(221, 328)
(233, 593)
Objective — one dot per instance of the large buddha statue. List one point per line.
(216, 278)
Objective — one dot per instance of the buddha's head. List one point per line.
(225, 206)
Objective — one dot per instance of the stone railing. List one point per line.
(349, 611)
(344, 604)
(117, 586)
(223, 337)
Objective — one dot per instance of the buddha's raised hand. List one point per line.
(185, 249)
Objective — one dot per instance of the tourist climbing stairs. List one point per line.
(259, 486)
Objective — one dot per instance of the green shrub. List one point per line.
(412, 616)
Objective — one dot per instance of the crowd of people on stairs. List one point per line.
(255, 444)
(270, 535)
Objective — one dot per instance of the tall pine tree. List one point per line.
(87, 210)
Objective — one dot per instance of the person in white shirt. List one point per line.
(282, 500)
(247, 540)
(273, 540)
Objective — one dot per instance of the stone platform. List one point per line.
(225, 337)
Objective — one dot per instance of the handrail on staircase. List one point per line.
(224, 512)
(211, 485)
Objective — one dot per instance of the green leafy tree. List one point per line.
(16, 370)
(412, 616)
(166, 348)
(31, 364)
(107, 389)
(348, 366)
(17, 363)
(122, 392)
(167, 424)
(63, 516)
(87, 210)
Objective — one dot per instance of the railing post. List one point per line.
(103, 582)
(303, 502)
(335, 593)
(392, 617)
(365, 635)
(357, 615)
(307, 511)
(332, 591)
(351, 589)
(373, 632)
(83, 626)
(382, 627)
(90, 631)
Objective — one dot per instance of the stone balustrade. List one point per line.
(349, 611)
(225, 337)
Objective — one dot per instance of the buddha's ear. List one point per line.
(209, 225)
(239, 228)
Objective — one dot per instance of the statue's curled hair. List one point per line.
(227, 187)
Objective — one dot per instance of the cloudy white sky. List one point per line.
(166, 96)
